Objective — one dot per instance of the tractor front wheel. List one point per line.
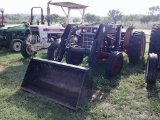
(26, 50)
(151, 68)
(15, 45)
(114, 64)
(74, 58)
(52, 49)
(136, 48)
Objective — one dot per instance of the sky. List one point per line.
(97, 7)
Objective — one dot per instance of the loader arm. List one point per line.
(61, 49)
(97, 40)
(99, 37)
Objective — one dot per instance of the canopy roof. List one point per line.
(70, 5)
(1, 9)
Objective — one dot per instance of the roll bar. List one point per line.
(32, 17)
(69, 6)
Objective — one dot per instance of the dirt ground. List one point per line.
(1, 68)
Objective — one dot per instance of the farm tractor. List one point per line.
(153, 60)
(42, 36)
(2, 17)
(70, 84)
(12, 36)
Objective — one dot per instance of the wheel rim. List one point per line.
(28, 50)
(118, 65)
(147, 69)
(17, 46)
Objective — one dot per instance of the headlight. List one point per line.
(94, 30)
(83, 30)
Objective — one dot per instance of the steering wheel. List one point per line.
(26, 24)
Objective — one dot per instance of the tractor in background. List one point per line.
(70, 84)
(41, 36)
(153, 60)
(12, 36)
(2, 17)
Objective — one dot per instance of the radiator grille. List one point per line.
(88, 41)
(33, 39)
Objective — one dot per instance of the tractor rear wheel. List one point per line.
(151, 68)
(74, 58)
(26, 50)
(15, 45)
(114, 64)
(154, 45)
(136, 48)
(52, 49)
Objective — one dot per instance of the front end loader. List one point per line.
(70, 84)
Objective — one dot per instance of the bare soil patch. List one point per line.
(2, 68)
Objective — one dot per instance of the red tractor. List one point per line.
(69, 84)
(109, 40)
(2, 17)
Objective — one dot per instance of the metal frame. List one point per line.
(69, 6)
(2, 18)
(32, 17)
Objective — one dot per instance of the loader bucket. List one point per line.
(66, 84)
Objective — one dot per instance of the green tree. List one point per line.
(97, 19)
(54, 18)
(155, 17)
(131, 17)
(16, 17)
(90, 18)
(104, 19)
(62, 19)
(145, 19)
(154, 10)
(114, 15)
(75, 20)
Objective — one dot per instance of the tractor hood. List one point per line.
(12, 26)
(55, 26)
(48, 29)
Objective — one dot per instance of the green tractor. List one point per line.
(12, 36)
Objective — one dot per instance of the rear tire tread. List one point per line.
(134, 50)
(151, 68)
